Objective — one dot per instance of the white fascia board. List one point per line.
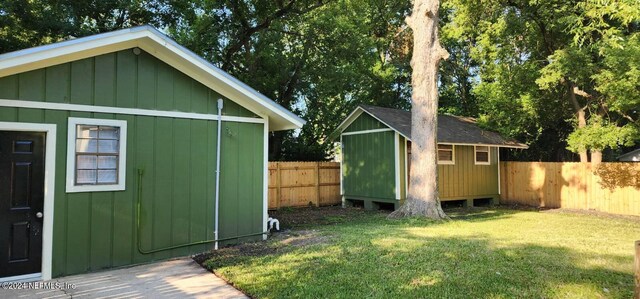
(163, 48)
(484, 144)
(355, 114)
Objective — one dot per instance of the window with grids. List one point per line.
(96, 154)
(482, 155)
(445, 154)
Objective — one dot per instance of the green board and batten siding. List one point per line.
(364, 180)
(368, 169)
(369, 166)
(98, 230)
(365, 122)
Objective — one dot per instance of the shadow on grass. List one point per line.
(405, 265)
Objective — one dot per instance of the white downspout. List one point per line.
(220, 104)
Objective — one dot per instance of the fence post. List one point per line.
(637, 271)
(278, 184)
(317, 182)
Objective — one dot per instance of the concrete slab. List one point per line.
(179, 278)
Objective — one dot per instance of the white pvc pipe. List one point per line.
(272, 222)
(220, 104)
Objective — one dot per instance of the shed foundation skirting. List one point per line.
(375, 203)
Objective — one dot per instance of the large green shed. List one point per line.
(123, 148)
(376, 149)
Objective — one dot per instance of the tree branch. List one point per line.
(580, 92)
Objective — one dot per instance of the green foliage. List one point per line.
(603, 61)
(527, 57)
(318, 58)
(599, 134)
(25, 23)
(513, 63)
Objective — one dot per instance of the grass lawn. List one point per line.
(481, 253)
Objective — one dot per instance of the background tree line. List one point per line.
(562, 76)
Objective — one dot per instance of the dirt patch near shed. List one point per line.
(293, 218)
(296, 230)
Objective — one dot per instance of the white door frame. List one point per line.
(49, 184)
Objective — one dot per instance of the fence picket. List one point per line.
(572, 185)
(300, 184)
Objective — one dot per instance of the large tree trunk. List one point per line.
(581, 115)
(422, 199)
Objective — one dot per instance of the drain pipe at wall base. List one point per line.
(220, 104)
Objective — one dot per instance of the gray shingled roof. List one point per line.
(451, 129)
(629, 155)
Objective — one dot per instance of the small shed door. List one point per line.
(21, 202)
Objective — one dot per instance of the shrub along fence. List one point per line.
(608, 187)
(299, 184)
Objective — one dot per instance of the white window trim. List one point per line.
(453, 155)
(475, 157)
(71, 154)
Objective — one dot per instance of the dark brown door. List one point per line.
(21, 202)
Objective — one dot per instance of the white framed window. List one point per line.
(482, 156)
(446, 154)
(96, 154)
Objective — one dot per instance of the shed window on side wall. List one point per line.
(482, 155)
(96, 155)
(446, 154)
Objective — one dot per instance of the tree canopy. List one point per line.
(562, 76)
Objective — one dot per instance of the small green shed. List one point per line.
(376, 150)
(123, 148)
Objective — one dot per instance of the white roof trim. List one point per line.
(162, 47)
(355, 114)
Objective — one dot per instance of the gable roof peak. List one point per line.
(154, 42)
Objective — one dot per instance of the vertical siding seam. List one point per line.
(90, 216)
(134, 216)
(153, 190)
(114, 80)
(252, 175)
(396, 162)
(189, 196)
(136, 84)
(156, 73)
(111, 219)
(18, 96)
(67, 97)
(206, 195)
(44, 84)
(66, 199)
(173, 176)
(93, 80)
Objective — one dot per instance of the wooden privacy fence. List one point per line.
(636, 267)
(298, 184)
(609, 187)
